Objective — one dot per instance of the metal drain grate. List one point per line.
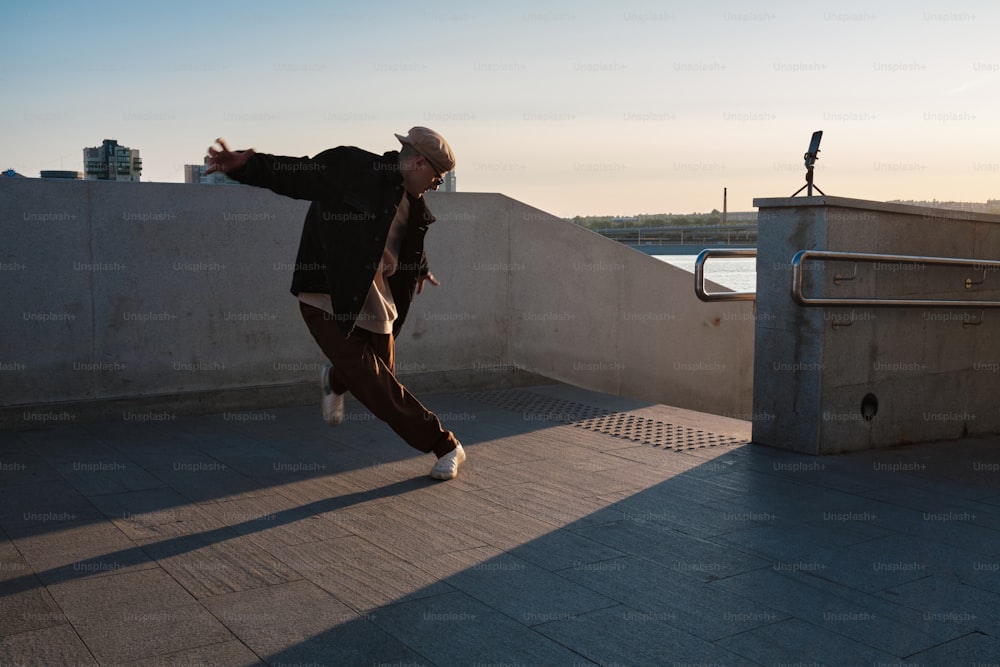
(634, 428)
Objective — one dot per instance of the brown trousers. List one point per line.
(363, 364)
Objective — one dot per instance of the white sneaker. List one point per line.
(447, 466)
(333, 403)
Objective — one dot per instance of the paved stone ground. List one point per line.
(584, 529)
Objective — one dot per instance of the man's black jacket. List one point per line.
(354, 196)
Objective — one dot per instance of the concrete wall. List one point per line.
(934, 372)
(156, 299)
(580, 308)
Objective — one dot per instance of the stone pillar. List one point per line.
(833, 379)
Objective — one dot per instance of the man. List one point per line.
(360, 261)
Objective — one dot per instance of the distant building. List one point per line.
(111, 162)
(61, 173)
(449, 184)
(195, 173)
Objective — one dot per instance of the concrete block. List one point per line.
(914, 360)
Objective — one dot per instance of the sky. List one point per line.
(577, 108)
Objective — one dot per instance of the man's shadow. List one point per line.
(151, 552)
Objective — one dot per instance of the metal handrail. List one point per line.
(832, 255)
(699, 275)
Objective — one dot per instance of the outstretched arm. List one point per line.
(313, 179)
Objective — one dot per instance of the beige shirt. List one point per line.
(379, 311)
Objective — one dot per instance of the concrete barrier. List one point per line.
(836, 378)
(143, 301)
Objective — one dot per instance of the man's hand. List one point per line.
(429, 276)
(224, 160)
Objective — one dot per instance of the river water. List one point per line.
(737, 273)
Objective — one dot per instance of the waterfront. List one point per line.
(738, 274)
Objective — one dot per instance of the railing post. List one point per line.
(699, 274)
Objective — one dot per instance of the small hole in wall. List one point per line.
(869, 407)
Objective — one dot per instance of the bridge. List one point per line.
(682, 239)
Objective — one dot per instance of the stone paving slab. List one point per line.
(456, 629)
(359, 573)
(622, 635)
(796, 642)
(877, 623)
(57, 645)
(672, 596)
(584, 529)
(91, 549)
(25, 604)
(232, 652)
(134, 615)
(285, 619)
